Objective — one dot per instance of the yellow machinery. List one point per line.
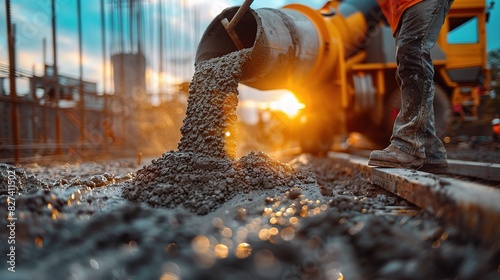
(340, 62)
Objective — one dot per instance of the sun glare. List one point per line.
(288, 104)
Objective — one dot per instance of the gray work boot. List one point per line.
(394, 157)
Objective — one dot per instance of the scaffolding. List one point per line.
(148, 52)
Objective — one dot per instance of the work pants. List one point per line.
(414, 131)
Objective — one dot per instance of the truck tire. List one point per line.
(442, 112)
(316, 134)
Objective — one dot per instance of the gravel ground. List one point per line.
(73, 223)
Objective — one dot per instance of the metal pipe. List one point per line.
(103, 38)
(56, 80)
(12, 79)
(231, 25)
(83, 137)
(239, 15)
(11, 46)
(160, 49)
(44, 43)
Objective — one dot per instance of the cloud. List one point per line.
(26, 60)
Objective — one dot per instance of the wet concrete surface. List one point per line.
(202, 183)
(336, 224)
(201, 213)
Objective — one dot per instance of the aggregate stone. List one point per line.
(18, 181)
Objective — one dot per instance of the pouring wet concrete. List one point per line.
(203, 174)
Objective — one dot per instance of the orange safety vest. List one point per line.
(394, 9)
(496, 129)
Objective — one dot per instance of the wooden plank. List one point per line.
(481, 170)
(486, 171)
(471, 207)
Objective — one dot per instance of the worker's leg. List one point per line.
(435, 152)
(414, 126)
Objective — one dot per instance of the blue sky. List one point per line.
(33, 23)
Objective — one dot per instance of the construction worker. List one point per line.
(416, 25)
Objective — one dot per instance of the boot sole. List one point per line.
(379, 163)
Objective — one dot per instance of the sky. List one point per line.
(183, 32)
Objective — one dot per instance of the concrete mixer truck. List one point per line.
(340, 62)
